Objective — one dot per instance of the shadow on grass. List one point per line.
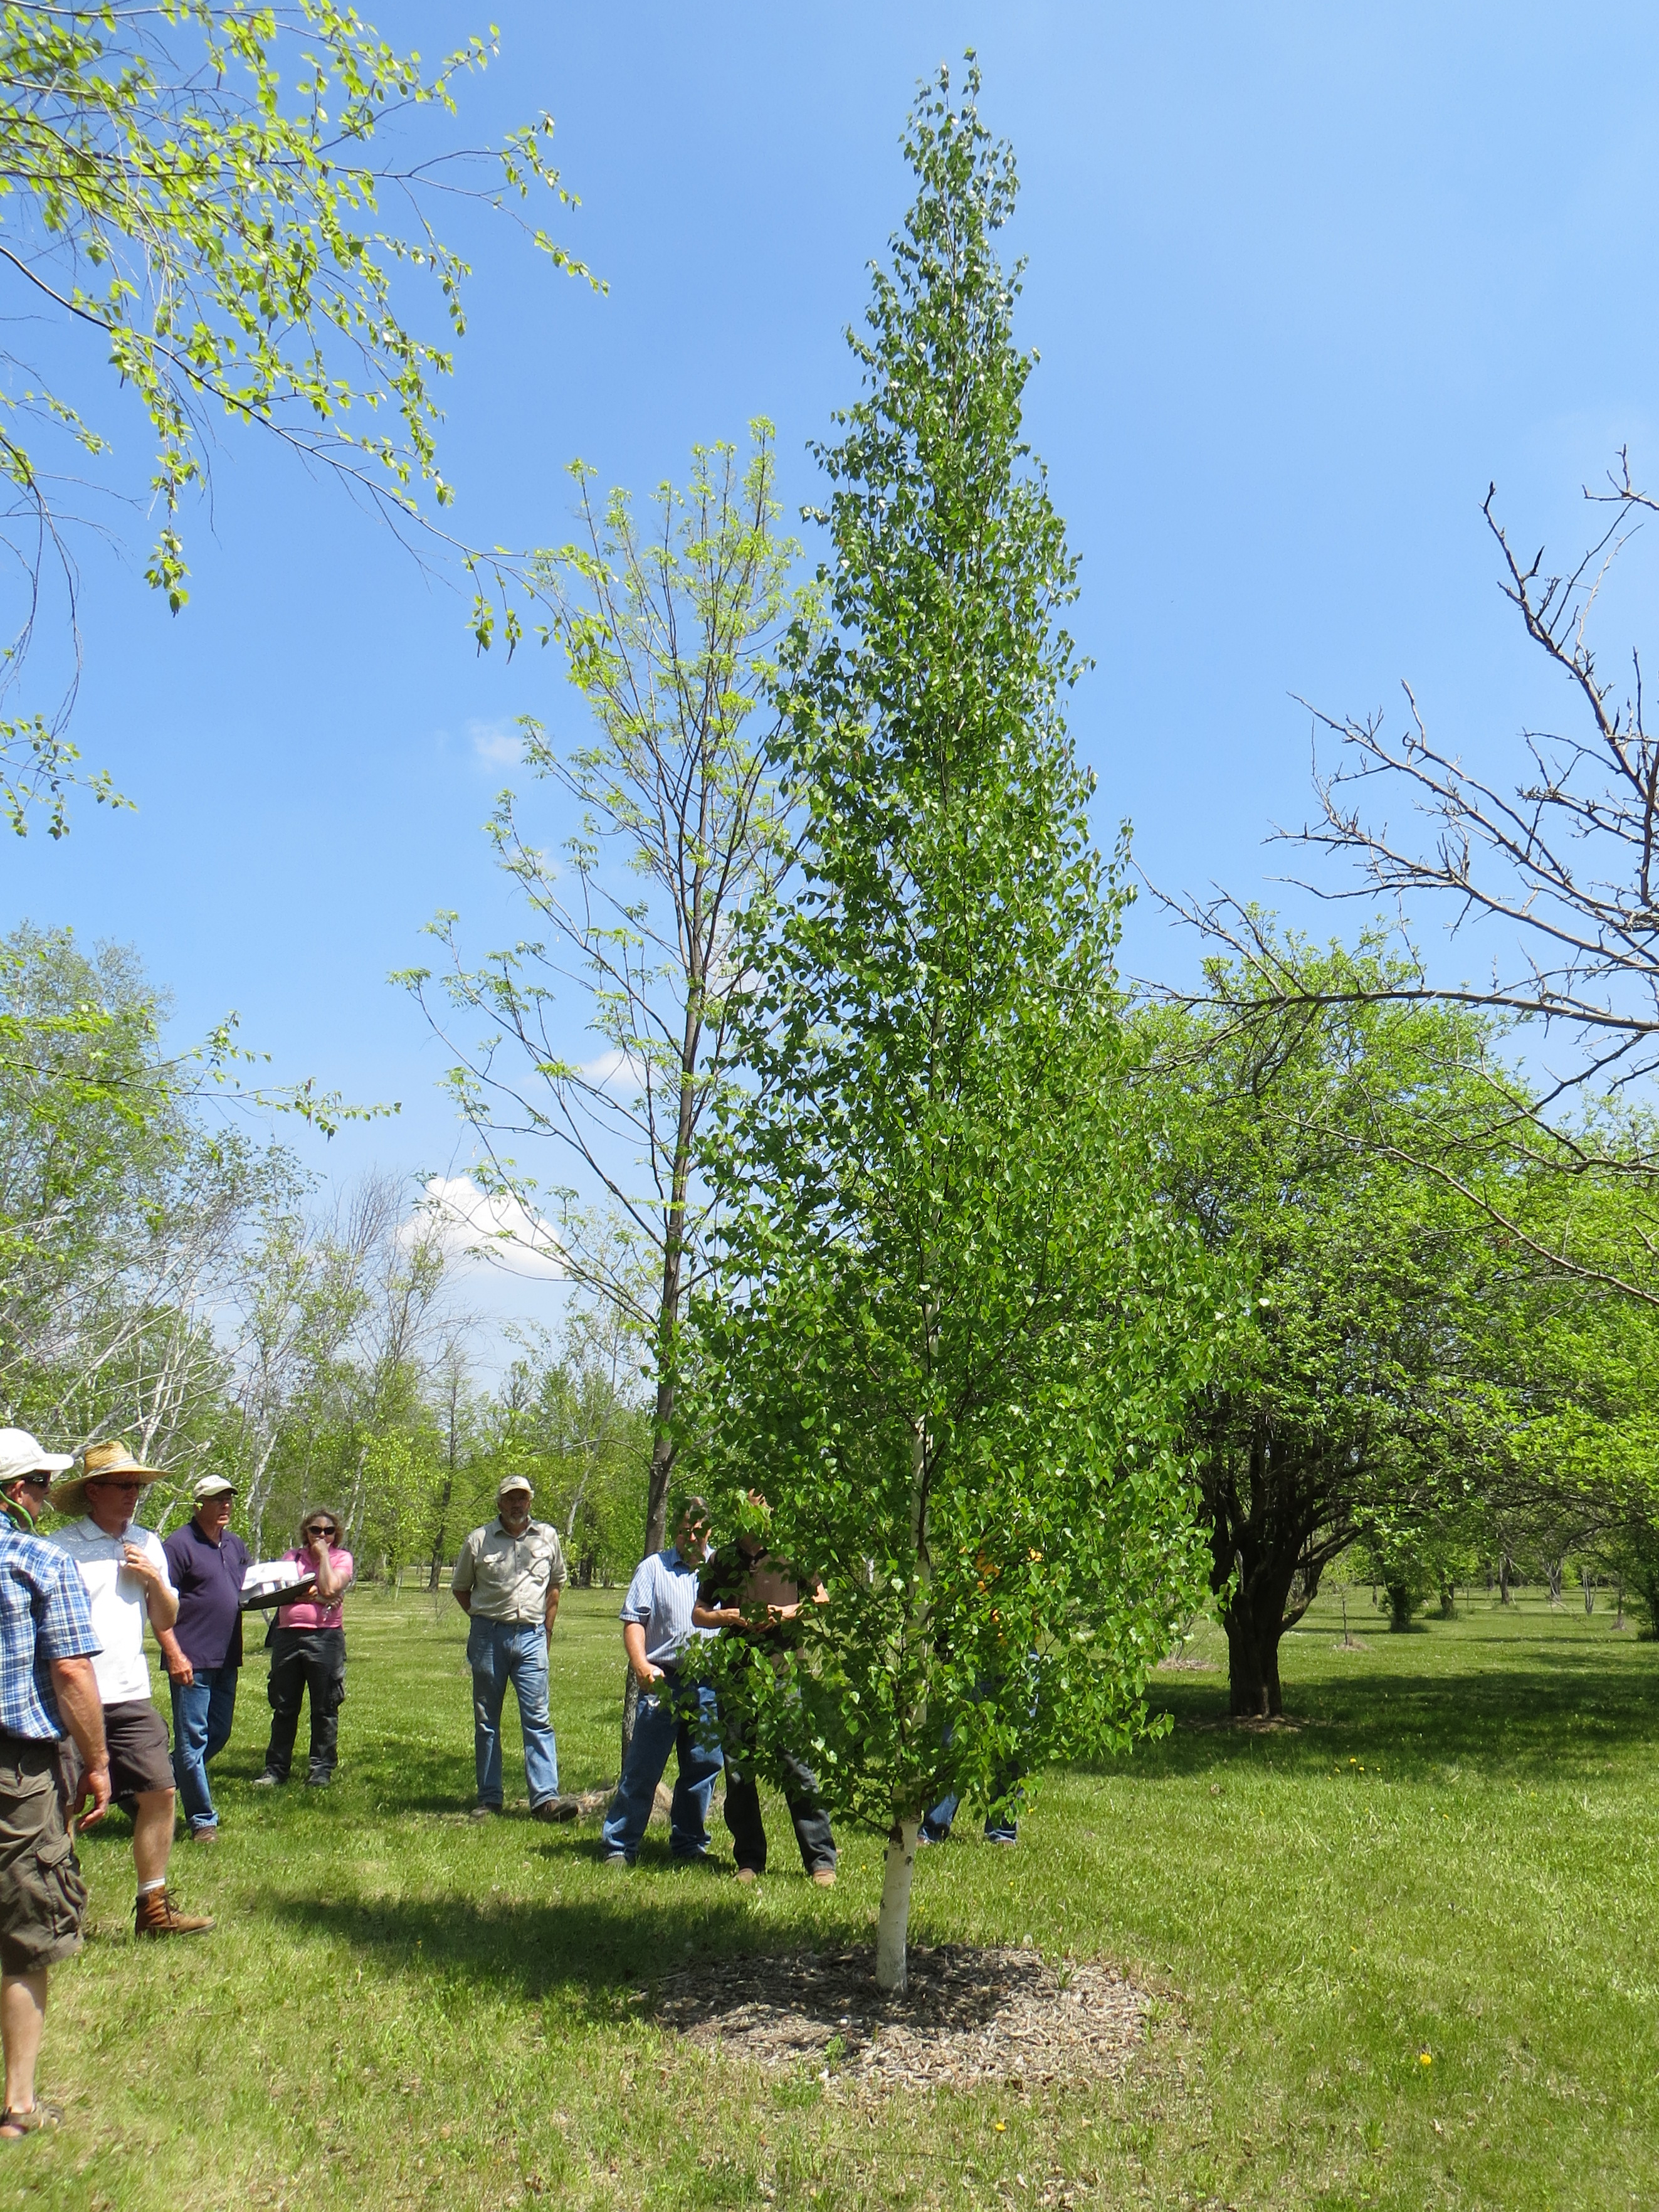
(1564, 1720)
(597, 1950)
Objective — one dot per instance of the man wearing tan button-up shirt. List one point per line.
(507, 1582)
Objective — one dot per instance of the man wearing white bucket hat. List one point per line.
(507, 1582)
(126, 1572)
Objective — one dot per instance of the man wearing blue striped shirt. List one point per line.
(673, 1714)
(47, 1689)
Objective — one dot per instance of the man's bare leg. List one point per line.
(152, 1835)
(22, 2017)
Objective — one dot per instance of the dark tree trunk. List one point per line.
(1276, 1521)
(1253, 1690)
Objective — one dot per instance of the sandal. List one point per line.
(39, 2119)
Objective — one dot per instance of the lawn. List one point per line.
(1404, 1956)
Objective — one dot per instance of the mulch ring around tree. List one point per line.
(967, 2015)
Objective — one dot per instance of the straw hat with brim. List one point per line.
(20, 1454)
(97, 1462)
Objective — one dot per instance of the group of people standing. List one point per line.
(78, 1724)
(508, 1581)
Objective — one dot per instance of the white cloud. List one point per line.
(615, 1062)
(478, 1228)
(495, 744)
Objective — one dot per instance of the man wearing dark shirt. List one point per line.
(746, 1591)
(203, 1648)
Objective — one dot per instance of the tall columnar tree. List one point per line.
(954, 1328)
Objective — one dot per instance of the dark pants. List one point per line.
(800, 1786)
(304, 1659)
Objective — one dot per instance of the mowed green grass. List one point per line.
(1454, 1857)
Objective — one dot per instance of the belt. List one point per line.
(16, 1744)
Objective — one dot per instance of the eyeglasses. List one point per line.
(103, 1482)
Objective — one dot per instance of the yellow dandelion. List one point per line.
(1001, 2127)
(1426, 2058)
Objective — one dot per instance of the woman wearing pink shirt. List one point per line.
(308, 1652)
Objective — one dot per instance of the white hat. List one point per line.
(214, 1485)
(20, 1454)
(514, 1482)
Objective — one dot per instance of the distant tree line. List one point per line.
(167, 1277)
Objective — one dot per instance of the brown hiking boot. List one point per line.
(157, 1915)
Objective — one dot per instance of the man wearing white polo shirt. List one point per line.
(125, 1572)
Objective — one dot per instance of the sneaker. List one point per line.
(269, 1781)
(616, 1859)
(155, 1914)
(824, 1877)
(485, 1812)
(320, 1781)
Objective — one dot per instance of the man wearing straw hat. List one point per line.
(126, 1572)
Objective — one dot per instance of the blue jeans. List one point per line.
(1001, 1826)
(202, 1717)
(669, 1717)
(499, 1652)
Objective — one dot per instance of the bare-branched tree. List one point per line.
(670, 633)
(1553, 875)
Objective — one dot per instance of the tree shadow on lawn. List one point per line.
(1566, 1722)
(597, 1950)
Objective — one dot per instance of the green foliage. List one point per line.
(952, 1331)
(218, 228)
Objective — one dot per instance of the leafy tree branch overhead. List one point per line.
(206, 193)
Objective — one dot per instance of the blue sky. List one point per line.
(1303, 279)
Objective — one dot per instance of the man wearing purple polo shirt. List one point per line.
(203, 1648)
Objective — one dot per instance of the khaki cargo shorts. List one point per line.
(42, 1896)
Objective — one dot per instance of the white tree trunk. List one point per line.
(893, 1924)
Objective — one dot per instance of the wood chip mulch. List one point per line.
(968, 2016)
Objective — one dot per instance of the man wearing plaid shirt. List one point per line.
(46, 1686)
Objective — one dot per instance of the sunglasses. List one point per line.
(35, 1481)
(321, 1528)
(102, 1482)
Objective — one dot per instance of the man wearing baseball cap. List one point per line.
(203, 1648)
(125, 1572)
(507, 1582)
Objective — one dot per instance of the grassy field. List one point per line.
(1404, 1956)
